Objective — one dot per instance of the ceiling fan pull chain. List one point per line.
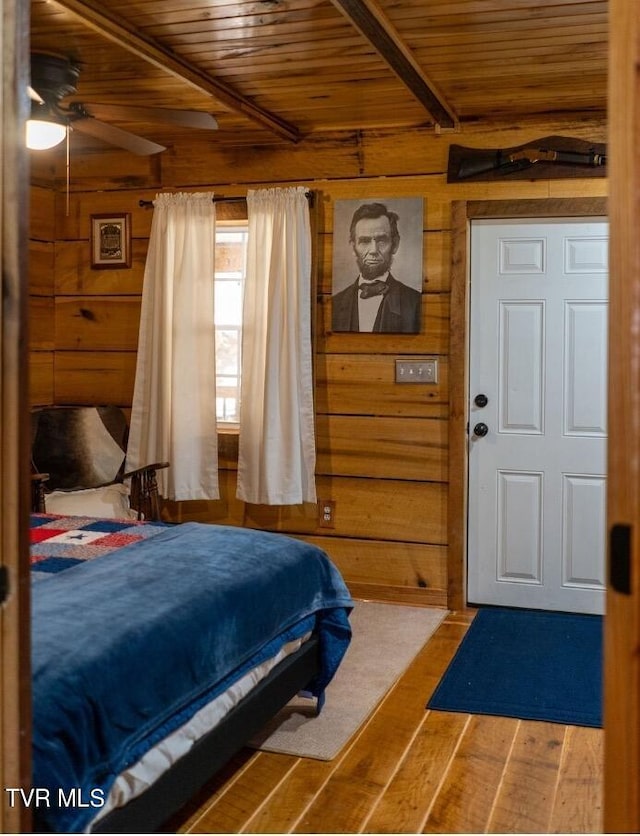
(68, 171)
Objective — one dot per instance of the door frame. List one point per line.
(15, 669)
(462, 213)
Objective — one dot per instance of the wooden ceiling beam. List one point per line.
(93, 15)
(372, 22)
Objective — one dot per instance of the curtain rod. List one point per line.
(146, 203)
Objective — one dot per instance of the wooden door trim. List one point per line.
(622, 624)
(463, 212)
(15, 670)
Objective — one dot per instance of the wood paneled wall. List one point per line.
(382, 447)
(41, 294)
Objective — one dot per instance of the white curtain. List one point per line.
(276, 461)
(174, 404)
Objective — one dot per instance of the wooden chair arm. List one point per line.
(147, 468)
(144, 496)
(37, 492)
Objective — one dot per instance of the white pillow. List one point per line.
(110, 501)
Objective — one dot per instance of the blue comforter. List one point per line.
(128, 646)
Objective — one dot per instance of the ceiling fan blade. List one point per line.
(132, 113)
(116, 136)
(35, 96)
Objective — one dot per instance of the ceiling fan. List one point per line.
(54, 77)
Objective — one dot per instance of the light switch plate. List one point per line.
(417, 371)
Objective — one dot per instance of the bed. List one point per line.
(158, 651)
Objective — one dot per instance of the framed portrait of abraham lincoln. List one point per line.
(377, 265)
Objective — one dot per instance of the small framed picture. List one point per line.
(110, 241)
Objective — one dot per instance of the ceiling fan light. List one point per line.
(42, 135)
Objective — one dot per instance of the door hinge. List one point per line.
(620, 558)
(4, 584)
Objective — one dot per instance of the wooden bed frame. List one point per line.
(183, 780)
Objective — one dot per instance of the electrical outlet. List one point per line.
(417, 371)
(326, 513)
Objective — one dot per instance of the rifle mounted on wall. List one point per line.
(539, 160)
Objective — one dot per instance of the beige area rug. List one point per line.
(386, 638)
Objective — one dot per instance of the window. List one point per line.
(230, 270)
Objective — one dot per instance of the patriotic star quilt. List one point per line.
(58, 543)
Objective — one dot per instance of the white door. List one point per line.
(538, 353)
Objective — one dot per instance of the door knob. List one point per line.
(481, 400)
(480, 430)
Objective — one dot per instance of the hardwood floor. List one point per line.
(409, 770)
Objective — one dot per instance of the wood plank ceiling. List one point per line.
(282, 70)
